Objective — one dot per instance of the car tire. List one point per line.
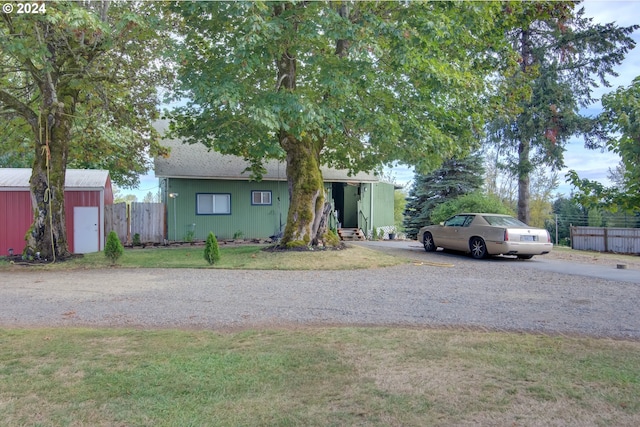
(428, 243)
(478, 248)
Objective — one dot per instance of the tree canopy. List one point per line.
(351, 85)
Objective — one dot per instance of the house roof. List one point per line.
(197, 161)
(75, 179)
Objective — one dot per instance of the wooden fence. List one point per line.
(145, 219)
(606, 239)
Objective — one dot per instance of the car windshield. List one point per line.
(504, 221)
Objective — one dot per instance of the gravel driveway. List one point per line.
(437, 290)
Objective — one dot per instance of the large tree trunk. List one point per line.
(48, 234)
(306, 191)
(524, 174)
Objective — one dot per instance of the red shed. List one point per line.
(86, 194)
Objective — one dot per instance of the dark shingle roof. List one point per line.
(196, 161)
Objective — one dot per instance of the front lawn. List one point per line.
(247, 257)
(314, 377)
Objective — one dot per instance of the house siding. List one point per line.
(383, 202)
(250, 221)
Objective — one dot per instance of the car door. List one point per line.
(459, 240)
(449, 233)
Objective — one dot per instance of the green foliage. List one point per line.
(211, 249)
(399, 206)
(109, 86)
(453, 179)
(472, 202)
(621, 117)
(136, 240)
(113, 248)
(238, 235)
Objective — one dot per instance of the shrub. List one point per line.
(136, 240)
(211, 249)
(113, 249)
(472, 202)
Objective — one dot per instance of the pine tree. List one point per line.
(563, 56)
(454, 178)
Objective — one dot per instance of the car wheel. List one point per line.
(427, 241)
(478, 248)
(524, 256)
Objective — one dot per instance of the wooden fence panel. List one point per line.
(148, 220)
(115, 219)
(605, 239)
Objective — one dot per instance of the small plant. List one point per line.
(211, 249)
(189, 236)
(238, 235)
(113, 249)
(136, 240)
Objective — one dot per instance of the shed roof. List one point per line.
(18, 178)
(197, 161)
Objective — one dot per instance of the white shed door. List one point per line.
(85, 229)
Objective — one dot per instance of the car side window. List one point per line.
(456, 221)
(468, 221)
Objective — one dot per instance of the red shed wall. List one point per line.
(16, 217)
(15, 220)
(108, 192)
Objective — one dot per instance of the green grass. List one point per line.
(314, 377)
(249, 257)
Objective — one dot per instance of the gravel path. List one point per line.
(437, 290)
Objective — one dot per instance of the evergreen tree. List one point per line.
(563, 57)
(113, 249)
(211, 249)
(454, 178)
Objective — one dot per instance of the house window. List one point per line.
(213, 204)
(261, 197)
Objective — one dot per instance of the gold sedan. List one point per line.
(486, 234)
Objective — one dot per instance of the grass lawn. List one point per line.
(246, 257)
(314, 377)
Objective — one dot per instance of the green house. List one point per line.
(207, 191)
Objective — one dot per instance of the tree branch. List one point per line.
(13, 103)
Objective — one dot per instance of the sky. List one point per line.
(590, 164)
